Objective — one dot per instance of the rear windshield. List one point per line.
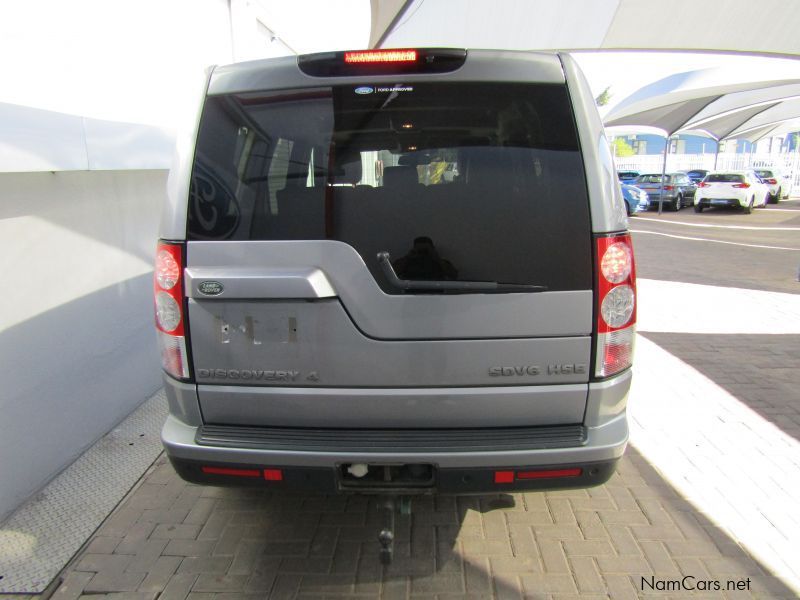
(462, 182)
(652, 178)
(725, 178)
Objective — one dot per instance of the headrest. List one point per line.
(402, 176)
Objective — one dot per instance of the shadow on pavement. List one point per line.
(758, 370)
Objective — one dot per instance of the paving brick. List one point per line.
(178, 586)
(477, 576)
(557, 532)
(623, 541)
(657, 557)
(436, 583)
(489, 548)
(175, 532)
(147, 555)
(620, 587)
(561, 510)
(159, 575)
(72, 586)
(205, 564)
(109, 563)
(516, 564)
(530, 517)
(189, 547)
(633, 565)
(114, 581)
(588, 548)
(103, 544)
(134, 538)
(210, 582)
(553, 558)
(548, 583)
(587, 578)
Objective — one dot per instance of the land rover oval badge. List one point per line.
(210, 288)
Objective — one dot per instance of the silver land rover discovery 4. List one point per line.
(396, 271)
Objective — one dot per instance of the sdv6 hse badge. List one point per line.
(210, 288)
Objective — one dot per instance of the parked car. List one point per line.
(323, 331)
(734, 189)
(773, 179)
(677, 191)
(627, 176)
(697, 175)
(635, 199)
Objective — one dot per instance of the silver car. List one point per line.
(333, 317)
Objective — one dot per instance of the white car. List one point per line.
(774, 179)
(737, 189)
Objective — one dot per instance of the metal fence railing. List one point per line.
(787, 163)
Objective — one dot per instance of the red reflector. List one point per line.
(504, 476)
(273, 474)
(547, 474)
(381, 56)
(232, 472)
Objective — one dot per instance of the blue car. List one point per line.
(635, 199)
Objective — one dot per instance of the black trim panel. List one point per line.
(392, 440)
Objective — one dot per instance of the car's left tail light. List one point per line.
(169, 306)
(616, 304)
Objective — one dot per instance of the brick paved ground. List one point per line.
(170, 539)
(762, 371)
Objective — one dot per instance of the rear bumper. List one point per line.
(729, 202)
(455, 471)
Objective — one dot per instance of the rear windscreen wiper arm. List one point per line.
(470, 286)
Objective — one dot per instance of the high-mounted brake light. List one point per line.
(381, 56)
(168, 295)
(616, 304)
(387, 61)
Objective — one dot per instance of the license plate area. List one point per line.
(380, 476)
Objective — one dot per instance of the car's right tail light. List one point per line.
(169, 296)
(616, 304)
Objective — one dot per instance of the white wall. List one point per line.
(77, 348)
(91, 94)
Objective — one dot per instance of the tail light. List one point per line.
(168, 295)
(703, 184)
(771, 181)
(616, 304)
(669, 187)
(741, 185)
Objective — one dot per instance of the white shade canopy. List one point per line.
(766, 27)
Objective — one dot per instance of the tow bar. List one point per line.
(391, 506)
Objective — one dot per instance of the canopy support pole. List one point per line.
(663, 173)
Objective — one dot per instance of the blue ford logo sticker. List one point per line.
(364, 89)
(210, 288)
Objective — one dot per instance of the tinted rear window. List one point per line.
(468, 182)
(725, 178)
(652, 179)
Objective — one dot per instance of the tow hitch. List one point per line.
(391, 506)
